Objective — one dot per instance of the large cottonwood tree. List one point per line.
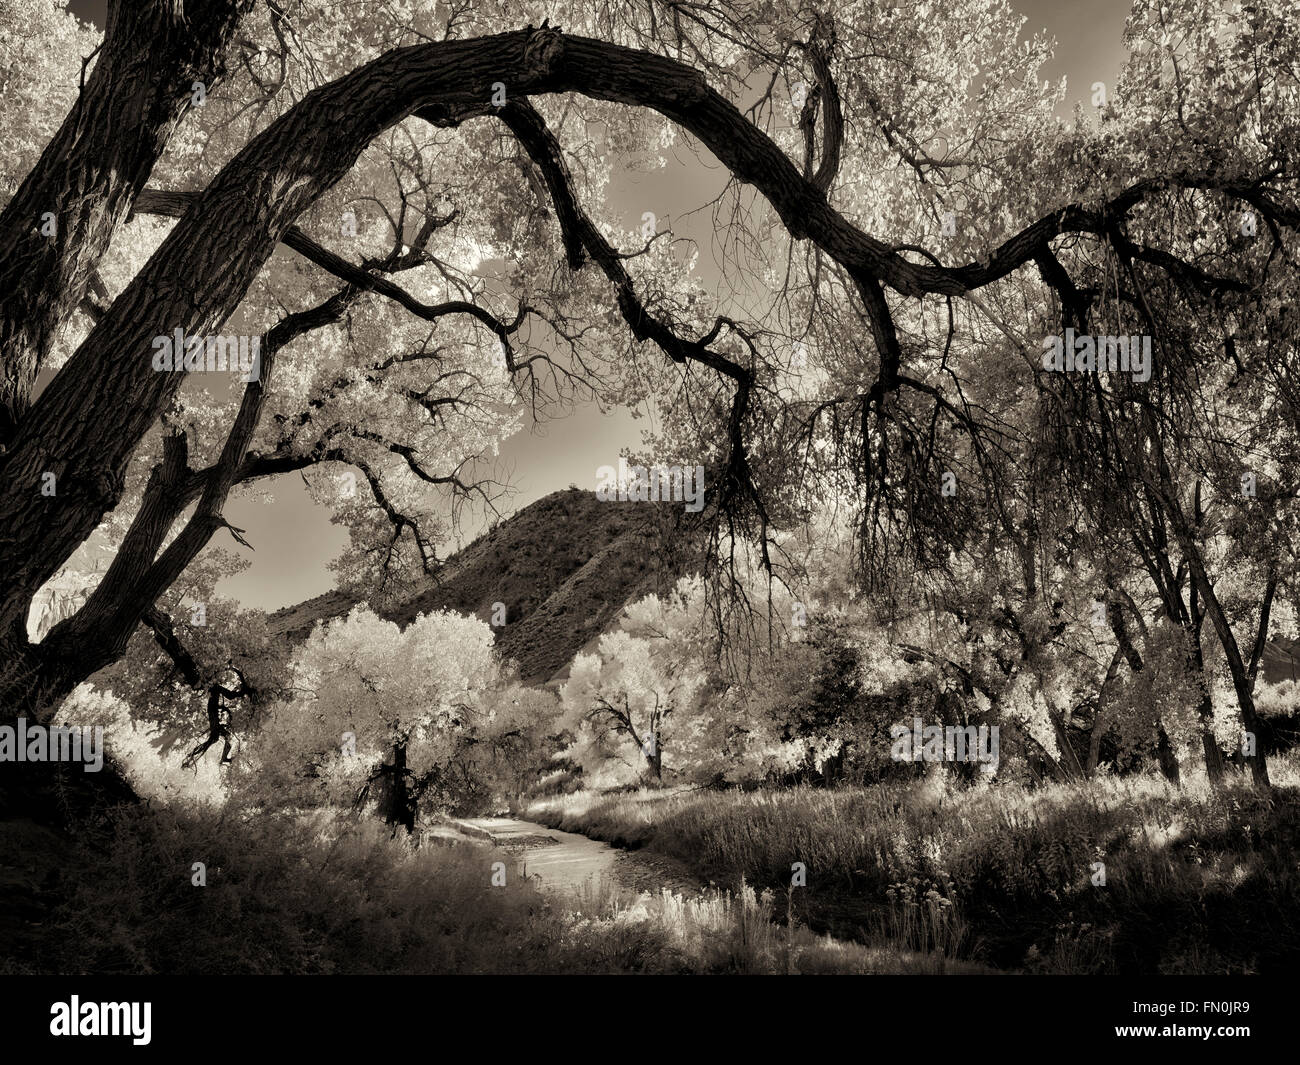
(904, 218)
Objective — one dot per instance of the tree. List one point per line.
(384, 715)
(641, 691)
(884, 212)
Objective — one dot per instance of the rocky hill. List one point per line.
(564, 568)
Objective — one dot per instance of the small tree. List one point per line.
(382, 714)
(643, 687)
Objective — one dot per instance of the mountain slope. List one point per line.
(564, 568)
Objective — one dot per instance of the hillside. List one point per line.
(564, 567)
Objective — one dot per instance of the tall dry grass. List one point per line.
(1196, 880)
(719, 931)
(325, 893)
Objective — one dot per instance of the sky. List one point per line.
(293, 538)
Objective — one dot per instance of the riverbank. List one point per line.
(1114, 875)
(714, 930)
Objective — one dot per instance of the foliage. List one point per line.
(637, 699)
(363, 688)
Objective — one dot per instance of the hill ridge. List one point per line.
(564, 567)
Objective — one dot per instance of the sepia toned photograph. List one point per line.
(650, 487)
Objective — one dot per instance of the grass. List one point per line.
(1196, 881)
(318, 895)
(909, 878)
(324, 893)
(725, 932)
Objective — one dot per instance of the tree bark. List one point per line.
(397, 804)
(1205, 708)
(89, 173)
